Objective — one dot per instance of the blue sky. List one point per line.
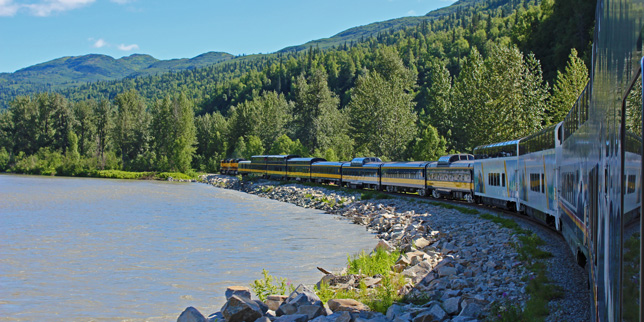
(35, 31)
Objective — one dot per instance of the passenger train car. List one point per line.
(582, 176)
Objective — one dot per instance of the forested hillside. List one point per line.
(478, 75)
(71, 72)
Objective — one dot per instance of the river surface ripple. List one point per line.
(77, 249)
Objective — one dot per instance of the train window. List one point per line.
(631, 183)
(543, 183)
(503, 179)
(535, 182)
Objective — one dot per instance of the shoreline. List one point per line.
(459, 266)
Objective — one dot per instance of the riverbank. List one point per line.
(459, 264)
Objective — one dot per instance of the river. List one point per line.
(80, 249)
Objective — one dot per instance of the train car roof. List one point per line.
(358, 162)
(411, 164)
(305, 160)
(329, 163)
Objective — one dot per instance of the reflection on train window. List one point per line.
(494, 179)
(536, 182)
(631, 183)
(569, 186)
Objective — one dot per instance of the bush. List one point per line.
(270, 285)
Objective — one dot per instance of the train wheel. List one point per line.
(468, 198)
(436, 194)
(422, 192)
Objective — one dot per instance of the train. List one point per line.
(582, 176)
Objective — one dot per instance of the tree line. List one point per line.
(412, 94)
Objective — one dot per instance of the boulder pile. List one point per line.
(455, 265)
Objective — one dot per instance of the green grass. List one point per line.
(379, 262)
(119, 174)
(539, 288)
(378, 298)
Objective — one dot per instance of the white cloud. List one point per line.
(125, 47)
(100, 43)
(411, 12)
(122, 1)
(8, 8)
(41, 8)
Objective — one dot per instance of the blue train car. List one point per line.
(539, 155)
(495, 174)
(597, 169)
(362, 173)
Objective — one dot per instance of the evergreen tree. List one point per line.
(130, 131)
(568, 87)
(382, 113)
(103, 121)
(430, 146)
(316, 115)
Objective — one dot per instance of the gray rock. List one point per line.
(216, 317)
(339, 317)
(262, 306)
(286, 309)
(312, 311)
(434, 314)
(241, 291)
(464, 319)
(263, 319)
(403, 318)
(471, 309)
(446, 271)
(240, 309)
(303, 295)
(394, 311)
(385, 245)
(190, 314)
(451, 305)
(320, 318)
(292, 318)
(274, 301)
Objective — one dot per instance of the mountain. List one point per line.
(73, 72)
(70, 71)
(362, 32)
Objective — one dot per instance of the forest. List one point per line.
(488, 72)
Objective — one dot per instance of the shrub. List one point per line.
(270, 285)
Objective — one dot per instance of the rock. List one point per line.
(339, 317)
(274, 301)
(303, 295)
(263, 319)
(434, 314)
(451, 305)
(320, 318)
(291, 318)
(446, 271)
(190, 314)
(349, 305)
(385, 245)
(286, 309)
(394, 311)
(240, 309)
(403, 318)
(241, 291)
(471, 309)
(421, 243)
(464, 319)
(371, 281)
(215, 317)
(312, 311)
(262, 306)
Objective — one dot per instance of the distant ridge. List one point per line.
(372, 29)
(95, 67)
